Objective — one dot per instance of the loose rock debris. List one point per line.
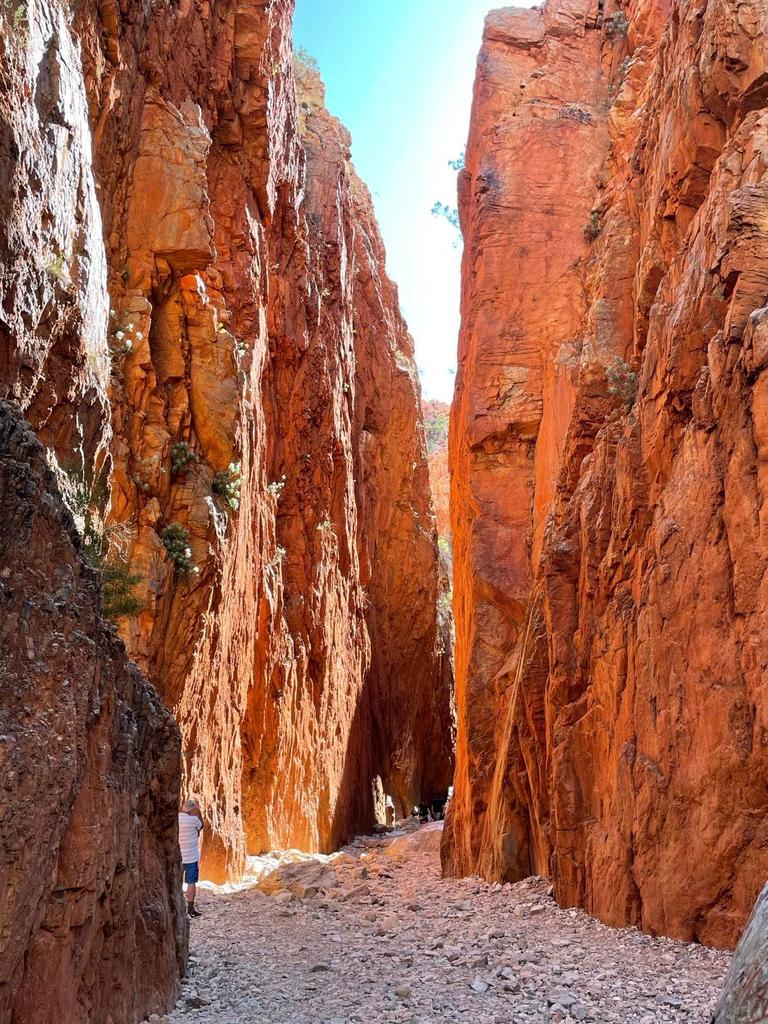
(374, 934)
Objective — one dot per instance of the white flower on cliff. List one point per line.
(139, 335)
(196, 570)
(188, 552)
(129, 327)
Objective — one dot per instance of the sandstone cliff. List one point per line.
(92, 926)
(607, 446)
(91, 915)
(213, 350)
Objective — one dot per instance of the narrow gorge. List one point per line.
(243, 556)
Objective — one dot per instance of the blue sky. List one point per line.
(399, 74)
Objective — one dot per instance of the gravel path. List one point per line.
(375, 936)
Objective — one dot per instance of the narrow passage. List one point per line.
(374, 934)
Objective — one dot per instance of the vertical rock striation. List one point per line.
(211, 336)
(606, 449)
(92, 925)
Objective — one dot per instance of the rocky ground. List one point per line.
(374, 934)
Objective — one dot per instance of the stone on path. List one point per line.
(314, 945)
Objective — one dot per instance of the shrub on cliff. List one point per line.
(616, 26)
(593, 227)
(176, 542)
(17, 12)
(450, 213)
(182, 456)
(305, 60)
(103, 547)
(227, 484)
(622, 382)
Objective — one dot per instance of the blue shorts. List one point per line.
(191, 873)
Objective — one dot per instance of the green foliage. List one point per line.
(86, 495)
(17, 12)
(436, 430)
(182, 456)
(176, 542)
(86, 498)
(593, 227)
(227, 484)
(118, 599)
(616, 26)
(276, 487)
(450, 213)
(458, 163)
(305, 60)
(622, 382)
(57, 267)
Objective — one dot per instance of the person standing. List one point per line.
(190, 827)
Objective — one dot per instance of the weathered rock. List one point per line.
(264, 405)
(302, 654)
(92, 924)
(610, 570)
(745, 993)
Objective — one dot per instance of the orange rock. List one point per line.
(304, 659)
(609, 597)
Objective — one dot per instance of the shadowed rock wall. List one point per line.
(92, 925)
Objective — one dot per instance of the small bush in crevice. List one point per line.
(103, 547)
(616, 26)
(182, 456)
(17, 12)
(118, 600)
(227, 484)
(593, 227)
(176, 542)
(622, 382)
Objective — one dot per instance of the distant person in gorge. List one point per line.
(190, 827)
(423, 813)
(437, 807)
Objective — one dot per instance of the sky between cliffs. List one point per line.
(399, 74)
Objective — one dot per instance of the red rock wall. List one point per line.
(92, 925)
(253, 327)
(609, 595)
(187, 258)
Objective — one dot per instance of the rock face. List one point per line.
(608, 494)
(745, 994)
(92, 925)
(436, 421)
(236, 335)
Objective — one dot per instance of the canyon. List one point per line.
(607, 457)
(243, 559)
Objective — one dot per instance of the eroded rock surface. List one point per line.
(237, 335)
(608, 486)
(92, 925)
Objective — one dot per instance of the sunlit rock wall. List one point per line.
(610, 595)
